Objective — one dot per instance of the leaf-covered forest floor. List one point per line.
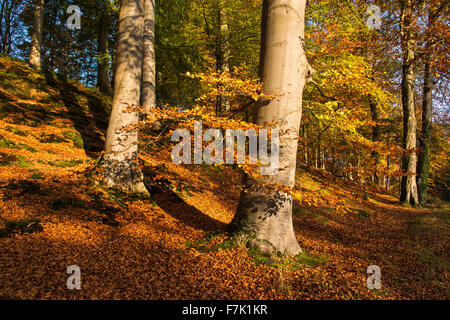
(129, 247)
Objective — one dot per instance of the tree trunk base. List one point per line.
(125, 175)
(264, 222)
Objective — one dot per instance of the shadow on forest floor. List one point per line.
(85, 118)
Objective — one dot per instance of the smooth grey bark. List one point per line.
(376, 135)
(423, 165)
(388, 163)
(264, 218)
(316, 157)
(425, 137)
(120, 160)
(319, 153)
(322, 159)
(36, 38)
(223, 59)
(305, 144)
(148, 99)
(103, 81)
(333, 162)
(408, 191)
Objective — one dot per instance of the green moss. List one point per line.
(23, 162)
(208, 243)
(297, 262)
(187, 191)
(263, 258)
(363, 214)
(5, 143)
(23, 226)
(16, 131)
(305, 259)
(118, 196)
(406, 204)
(75, 137)
(27, 147)
(122, 198)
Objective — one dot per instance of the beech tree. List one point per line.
(409, 164)
(223, 57)
(375, 135)
(103, 81)
(120, 160)
(9, 12)
(36, 40)
(264, 219)
(148, 99)
(434, 39)
(425, 138)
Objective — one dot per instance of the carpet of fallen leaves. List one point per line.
(133, 248)
(140, 252)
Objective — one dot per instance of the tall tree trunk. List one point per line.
(120, 161)
(2, 10)
(305, 143)
(36, 39)
(319, 152)
(322, 158)
(52, 63)
(408, 184)
(65, 68)
(333, 162)
(425, 137)
(316, 156)
(388, 163)
(375, 137)
(103, 82)
(427, 113)
(6, 39)
(223, 59)
(264, 219)
(148, 99)
(116, 35)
